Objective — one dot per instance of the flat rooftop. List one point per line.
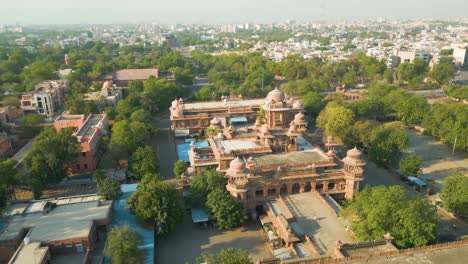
(87, 129)
(72, 218)
(221, 104)
(295, 157)
(70, 117)
(31, 253)
(238, 144)
(326, 230)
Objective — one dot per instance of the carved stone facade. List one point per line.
(271, 156)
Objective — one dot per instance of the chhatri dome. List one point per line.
(237, 165)
(299, 117)
(298, 105)
(107, 84)
(276, 96)
(354, 154)
(175, 103)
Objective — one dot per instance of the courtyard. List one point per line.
(189, 240)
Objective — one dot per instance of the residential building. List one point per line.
(9, 113)
(58, 227)
(460, 55)
(46, 99)
(89, 132)
(409, 55)
(5, 145)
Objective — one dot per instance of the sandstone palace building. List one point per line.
(262, 148)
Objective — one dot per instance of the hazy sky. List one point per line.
(219, 11)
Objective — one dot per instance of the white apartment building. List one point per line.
(460, 55)
(46, 98)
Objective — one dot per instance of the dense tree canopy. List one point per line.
(49, 158)
(227, 213)
(144, 161)
(380, 210)
(122, 245)
(336, 120)
(411, 165)
(158, 202)
(108, 189)
(454, 193)
(448, 122)
(386, 143)
(129, 135)
(7, 177)
(180, 167)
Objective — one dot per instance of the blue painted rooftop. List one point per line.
(238, 119)
(123, 216)
(182, 149)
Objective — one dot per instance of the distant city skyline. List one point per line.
(219, 11)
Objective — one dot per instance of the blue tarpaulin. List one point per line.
(123, 216)
(199, 215)
(417, 181)
(238, 119)
(189, 140)
(182, 149)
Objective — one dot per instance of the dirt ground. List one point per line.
(189, 240)
(438, 161)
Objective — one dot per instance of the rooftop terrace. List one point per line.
(238, 144)
(291, 158)
(87, 129)
(73, 218)
(221, 104)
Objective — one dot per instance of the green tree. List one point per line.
(454, 193)
(442, 72)
(180, 167)
(376, 211)
(386, 143)
(108, 189)
(30, 125)
(50, 157)
(144, 161)
(158, 202)
(7, 178)
(312, 103)
(227, 213)
(122, 245)
(226, 256)
(204, 94)
(129, 135)
(336, 120)
(411, 109)
(411, 165)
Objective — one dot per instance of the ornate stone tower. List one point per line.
(353, 170)
(276, 110)
(237, 174)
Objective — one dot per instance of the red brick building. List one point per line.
(88, 132)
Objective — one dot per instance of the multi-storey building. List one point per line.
(46, 99)
(88, 132)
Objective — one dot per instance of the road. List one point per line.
(199, 82)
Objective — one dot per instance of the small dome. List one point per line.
(215, 122)
(107, 84)
(175, 103)
(298, 105)
(237, 164)
(299, 117)
(354, 153)
(276, 95)
(265, 129)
